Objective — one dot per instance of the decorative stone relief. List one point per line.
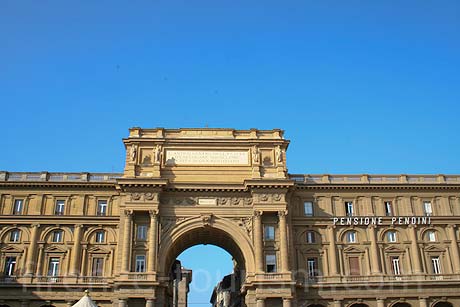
(270, 198)
(148, 196)
(179, 201)
(234, 201)
(167, 222)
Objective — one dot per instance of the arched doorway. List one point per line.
(443, 304)
(315, 305)
(359, 305)
(401, 305)
(206, 230)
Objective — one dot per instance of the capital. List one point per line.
(153, 213)
(258, 214)
(128, 213)
(282, 213)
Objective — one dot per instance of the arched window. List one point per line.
(401, 305)
(443, 304)
(351, 237)
(391, 236)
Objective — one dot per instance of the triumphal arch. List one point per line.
(209, 186)
(297, 240)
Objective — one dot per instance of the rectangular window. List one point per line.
(57, 236)
(59, 208)
(308, 208)
(10, 266)
(98, 265)
(101, 208)
(388, 208)
(100, 236)
(269, 234)
(312, 267)
(391, 235)
(140, 263)
(395, 265)
(53, 267)
(17, 208)
(349, 208)
(427, 208)
(354, 266)
(436, 265)
(311, 237)
(270, 263)
(141, 232)
(15, 235)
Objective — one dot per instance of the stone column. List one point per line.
(30, 264)
(287, 302)
(260, 302)
(153, 241)
(380, 302)
(374, 251)
(40, 261)
(337, 303)
(423, 302)
(283, 241)
(454, 248)
(126, 251)
(258, 243)
(122, 302)
(76, 250)
(332, 252)
(417, 269)
(149, 302)
(84, 260)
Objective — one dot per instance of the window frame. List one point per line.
(349, 208)
(269, 233)
(351, 234)
(99, 236)
(392, 236)
(396, 265)
(436, 265)
(143, 232)
(54, 264)
(388, 208)
(15, 236)
(102, 203)
(59, 207)
(308, 210)
(58, 236)
(10, 266)
(312, 267)
(140, 264)
(310, 237)
(270, 263)
(18, 210)
(427, 204)
(95, 267)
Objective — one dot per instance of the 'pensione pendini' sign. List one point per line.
(373, 220)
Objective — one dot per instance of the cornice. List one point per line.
(56, 184)
(300, 186)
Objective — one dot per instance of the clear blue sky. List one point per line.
(359, 86)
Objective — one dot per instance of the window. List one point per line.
(57, 236)
(98, 265)
(432, 236)
(436, 265)
(270, 262)
(311, 238)
(349, 208)
(140, 263)
(59, 209)
(427, 208)
(101, 208)
(308, 208)
(100, 236)
(391, 236)
(312, 267)
(388, 208)
(141, 232)
(10, 266)
(354, 265)
(395, 265)
(53, 267)
(351, 237)
(269, 233)
(17, 208)
(15, 235)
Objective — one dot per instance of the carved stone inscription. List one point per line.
(206, 157)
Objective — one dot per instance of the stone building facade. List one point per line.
(299, 240)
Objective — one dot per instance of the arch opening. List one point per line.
(443, 304)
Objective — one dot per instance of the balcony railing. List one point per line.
(375, 179)
(377, 278)
(59, 177)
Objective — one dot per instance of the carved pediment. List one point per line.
(434, 249)
(10, 249)
(98, 250)
(393, 249)
(352, 249)
(55, 249)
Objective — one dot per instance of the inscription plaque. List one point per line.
(206, 157)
